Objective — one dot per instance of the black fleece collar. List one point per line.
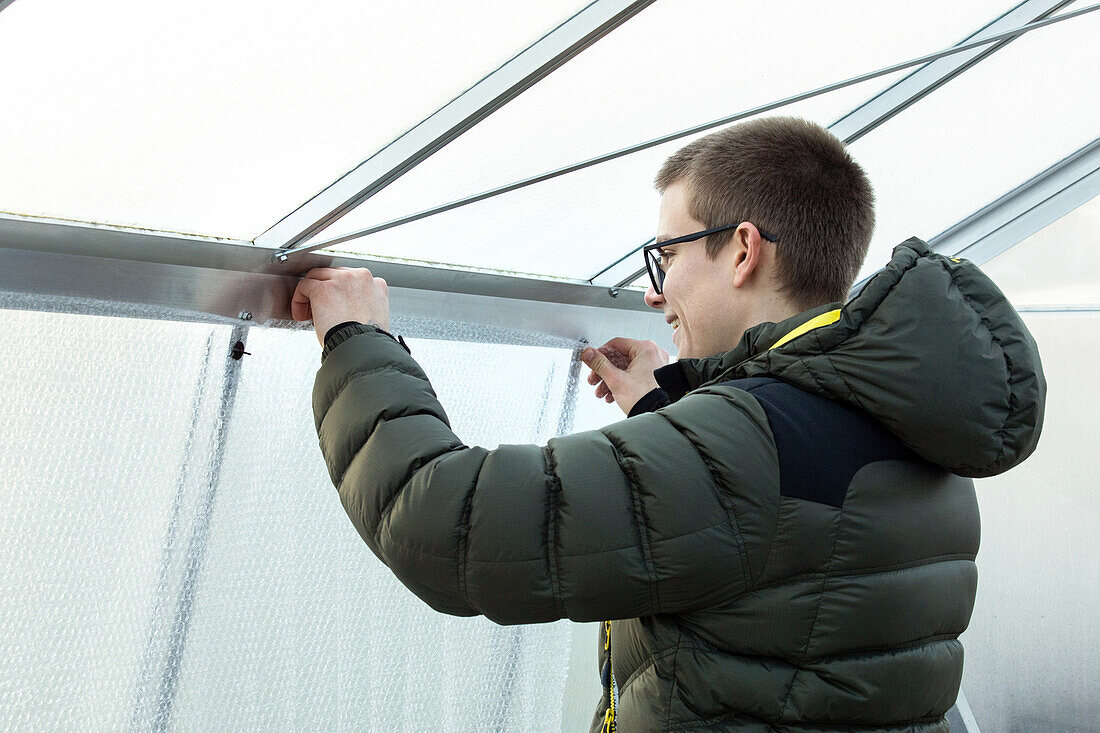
(680, 377)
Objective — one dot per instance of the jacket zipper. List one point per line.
(609, 715)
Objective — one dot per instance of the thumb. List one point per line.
(599, 364)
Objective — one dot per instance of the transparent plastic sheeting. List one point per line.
(175, 556)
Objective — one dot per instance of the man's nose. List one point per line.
(654, 299)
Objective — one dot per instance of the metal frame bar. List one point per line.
(456, 117)
(1012, 33)
(225, 278)
(930, 77)
(1026, 209)
(4, 4)
(898, 96)
(1015, 216)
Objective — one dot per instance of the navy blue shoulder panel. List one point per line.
(821, 443)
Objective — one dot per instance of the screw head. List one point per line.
(238, 351)
(613, 292)
(245, 316)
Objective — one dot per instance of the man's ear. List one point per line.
(748, 253)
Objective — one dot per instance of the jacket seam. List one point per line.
(646, 663)
(579, 554)
(720, 487)
(817, 614)
(672, 685)
(854, 654)
(904, 726)
(641, 523)
(1002, 432)
(779, 504)
(464, 541)
(417, 464)
(356, 373)
(553, 515)
(880, 569)
(658, 541)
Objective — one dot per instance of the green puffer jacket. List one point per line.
(787, 546)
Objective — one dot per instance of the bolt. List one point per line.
(238, 351)
(613, 292)
(245, 316)
(281, 257)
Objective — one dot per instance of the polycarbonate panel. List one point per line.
(1029, 649)
(98, 416)
(1031, 661)
(572, 226)
(220, 118)
(674, 65)
(982, 134)
(1058, 265)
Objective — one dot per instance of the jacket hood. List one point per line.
(930, 347)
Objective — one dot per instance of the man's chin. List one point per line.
(683, 350)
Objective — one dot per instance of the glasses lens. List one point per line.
(656, 274)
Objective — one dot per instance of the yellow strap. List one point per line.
(609, 714)
(817, 322)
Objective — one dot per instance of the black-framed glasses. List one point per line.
(653, 258)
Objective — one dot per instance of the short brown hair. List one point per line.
(793, 179)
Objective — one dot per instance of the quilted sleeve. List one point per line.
(632, 520)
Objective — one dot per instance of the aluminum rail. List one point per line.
(1012, 33)
(1026, 209)
(223, 278)
(1023, 211)
(935, 74)
(456, 117)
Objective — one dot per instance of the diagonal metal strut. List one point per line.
(456, 117)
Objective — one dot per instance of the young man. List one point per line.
(782, 536)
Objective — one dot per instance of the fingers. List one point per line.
(628, 347)
(331, 273)
(300, 309)
(597, 362)
(322, 273)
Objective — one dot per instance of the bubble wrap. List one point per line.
(176, 557)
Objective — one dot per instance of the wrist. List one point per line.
(341, 332)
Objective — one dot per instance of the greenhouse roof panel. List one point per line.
(568, 227)
(220, 118)
(1025, 108)
(654, 75)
